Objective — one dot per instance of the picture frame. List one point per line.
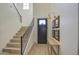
(56, 22)
(53, 33)
(53, 24)
(57, 34)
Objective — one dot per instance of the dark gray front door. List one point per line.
(42, 30)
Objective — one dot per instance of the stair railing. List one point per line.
(18, 12)
(26, 36)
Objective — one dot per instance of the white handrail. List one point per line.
(18, 13)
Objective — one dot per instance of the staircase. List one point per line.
(14, 46)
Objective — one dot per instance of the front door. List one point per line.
(42, 30)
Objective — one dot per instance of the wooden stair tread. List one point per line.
(20, 33)
(14, 43)
(16, 39)
(12, 48)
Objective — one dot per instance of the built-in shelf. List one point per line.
(53, 41)
(56, 29)
(55, 45)
(56, 49)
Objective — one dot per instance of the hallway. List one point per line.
(40, 49)
(21, 30)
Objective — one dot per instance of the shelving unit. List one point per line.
(54, 41)
(54, 45)
(56, 28)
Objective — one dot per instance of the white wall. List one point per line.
(30, 42)
(68, 23)
(27, 15)
(35, 21)
(42, 10)
(69, 28)
(78, 29)
(9, 23)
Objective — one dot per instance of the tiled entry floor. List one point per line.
(40, 49)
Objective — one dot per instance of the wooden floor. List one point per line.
(40, 49)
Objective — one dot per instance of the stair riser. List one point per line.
(16, 36)
(14, 45)
(22, 30)
(11, 51)
(20, 33)
(16, 41)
